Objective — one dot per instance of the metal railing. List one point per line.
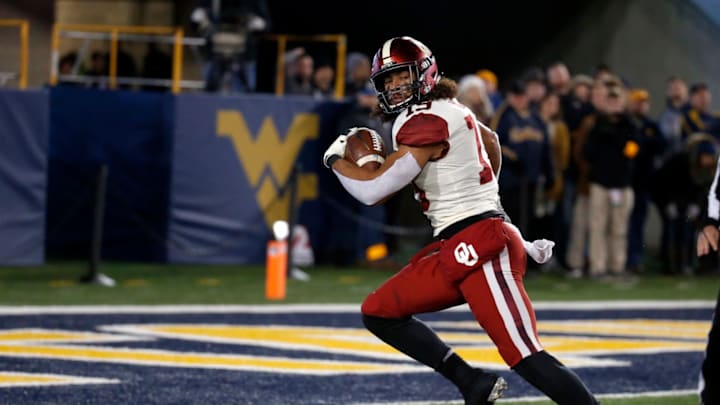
(115, 33)
(282, 41)
(175, 35)
(24, 27)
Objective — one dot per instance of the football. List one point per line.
(365, 148)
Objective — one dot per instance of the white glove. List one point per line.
(337, 148)
(693, 210)
(540, 250)
(671, 211)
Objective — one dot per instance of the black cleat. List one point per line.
(485, 390)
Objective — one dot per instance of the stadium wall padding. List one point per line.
(23, 167)
(192, 178)
(234, 159)
(130, 133)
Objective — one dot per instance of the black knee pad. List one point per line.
(409, 336)
(378, 325)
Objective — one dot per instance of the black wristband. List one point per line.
(332, 159)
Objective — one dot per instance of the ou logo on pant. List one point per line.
(466, 254)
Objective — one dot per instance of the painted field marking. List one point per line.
(10, 379)
(624, 395)
(570, 306)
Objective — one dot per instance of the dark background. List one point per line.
(465, 36)
(504, 36)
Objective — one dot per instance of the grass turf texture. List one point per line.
(58, 284)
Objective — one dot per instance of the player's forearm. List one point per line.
(353, 171)
(492, 147)
(385, 182)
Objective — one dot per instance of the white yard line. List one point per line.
(625, 395)
(329, 308)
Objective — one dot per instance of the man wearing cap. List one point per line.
(671, 119)
(610, 150)
(652, 146)
(491, 86)
(698, 117)
(527, 158)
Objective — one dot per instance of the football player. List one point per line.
(477, 258)
(707, 241)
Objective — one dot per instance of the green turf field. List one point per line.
(58, 284)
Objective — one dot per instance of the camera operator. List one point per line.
(230, 28)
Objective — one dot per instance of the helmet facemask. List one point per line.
(388, 100)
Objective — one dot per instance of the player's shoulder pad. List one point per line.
(422, 130)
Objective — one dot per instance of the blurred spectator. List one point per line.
(126, 67)
(99, 69)
(578, 172)
(557, 217)
(230, 28)
(603, 72)
(360, 95)
(473, 94)
(671, 118)
(359, 92)
(323, 80)
(66, 67)
(610, 149)
(698, 117)
(157, 64)
(372, 247)
(290, 57)
(652, 146)
(358, 74)
(558, 78)
(534, 80)
(300, 75)
(679, 189)
(576, 104)
(527, 161)
(491, 86)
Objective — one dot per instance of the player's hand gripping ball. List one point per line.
(365, 148)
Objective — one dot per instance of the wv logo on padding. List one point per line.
(268, 151)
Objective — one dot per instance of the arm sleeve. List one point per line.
(397, 176)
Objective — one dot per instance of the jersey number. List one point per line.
(486, 173)
(412, 108)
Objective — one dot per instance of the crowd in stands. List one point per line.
(584, 157)
(94, 70)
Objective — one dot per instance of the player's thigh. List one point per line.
(419, 287)
(498, 300)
